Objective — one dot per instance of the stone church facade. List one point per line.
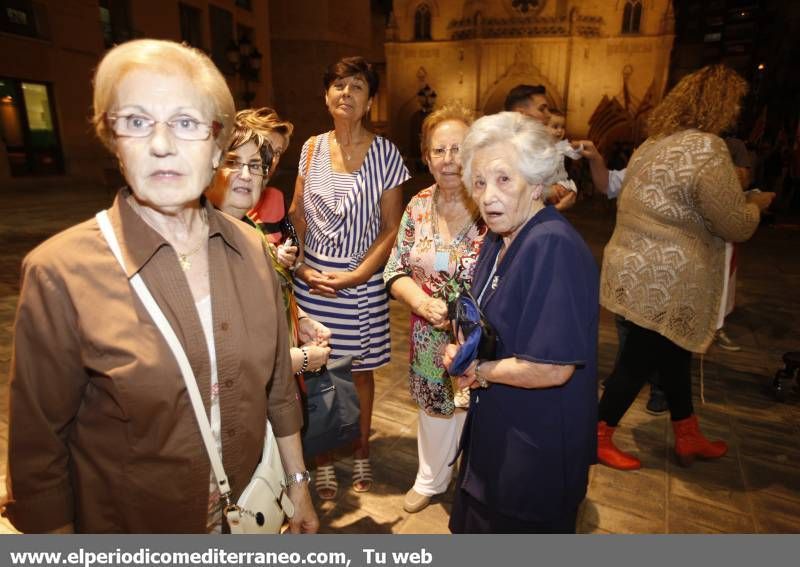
(604, 62)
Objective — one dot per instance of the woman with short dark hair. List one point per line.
(346, 208)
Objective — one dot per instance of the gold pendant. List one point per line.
(185, 263)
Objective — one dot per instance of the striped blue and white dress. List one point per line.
(343, 219)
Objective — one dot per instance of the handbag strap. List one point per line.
(309, 154)
(177, 350)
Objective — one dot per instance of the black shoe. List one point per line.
(657, 404)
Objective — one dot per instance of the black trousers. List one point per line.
(644, 353)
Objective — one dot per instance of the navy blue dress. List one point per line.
(527, 452)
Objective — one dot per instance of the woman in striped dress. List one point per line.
(346, 209)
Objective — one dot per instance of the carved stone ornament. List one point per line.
(527, 7)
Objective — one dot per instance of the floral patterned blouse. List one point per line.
(442, 270)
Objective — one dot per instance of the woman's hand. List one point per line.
(317, 283)
(313, 332)
(466, 380)
(557, 192)
(567, 200)
(469, 379)
(342, 280)
(449, 354)
(287, 254)
(317, 356)
(305, 519)
(761, 199)
(434, 311)
(587, 149)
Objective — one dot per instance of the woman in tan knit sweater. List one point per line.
(663, 268)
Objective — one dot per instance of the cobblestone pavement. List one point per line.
(755, 488)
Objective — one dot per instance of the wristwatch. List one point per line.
(482, 381)
(296, 478)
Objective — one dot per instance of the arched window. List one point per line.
(422, 23)
(632, 16)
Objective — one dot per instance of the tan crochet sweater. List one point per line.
(663, 268)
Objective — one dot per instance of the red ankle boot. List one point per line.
(609, 455)
(690, 443)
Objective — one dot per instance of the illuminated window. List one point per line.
(422, 23)
(632, 16)
(29, 128)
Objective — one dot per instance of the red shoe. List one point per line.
(690, 443)
(609, 455)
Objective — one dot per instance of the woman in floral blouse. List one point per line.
(437, 246)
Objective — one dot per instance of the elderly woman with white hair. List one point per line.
(530, 434)
(102, 435)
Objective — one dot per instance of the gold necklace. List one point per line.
(183, 259)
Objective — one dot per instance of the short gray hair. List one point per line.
(538, 158)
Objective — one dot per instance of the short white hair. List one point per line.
(538, 158)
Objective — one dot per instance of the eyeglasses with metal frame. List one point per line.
(183, 127)
(254, 168)
(440, 153)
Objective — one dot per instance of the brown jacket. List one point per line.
(663, 268)
(102, 432)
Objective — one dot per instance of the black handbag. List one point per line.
(331, 408)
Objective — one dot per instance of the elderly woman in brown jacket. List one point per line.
(102, 436)
(663, 268)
